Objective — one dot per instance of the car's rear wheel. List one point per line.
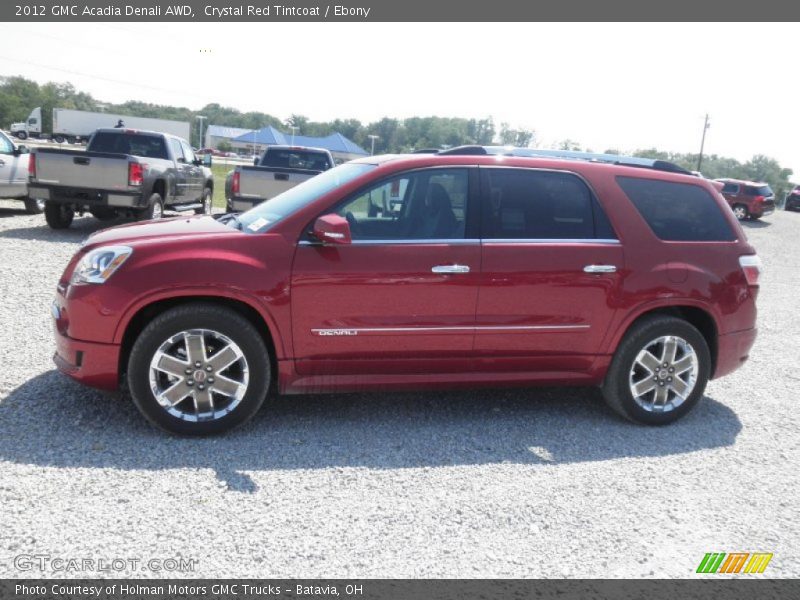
(740, 212)
(199, 369)
(154, 210)
(659, 371)
(34, 206)
(22, 135)
(58, 216)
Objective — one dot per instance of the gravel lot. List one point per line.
(522, 483)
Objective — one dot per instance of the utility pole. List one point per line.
(200, 119)
(706, 125)
(373, 138)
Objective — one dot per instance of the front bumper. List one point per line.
(733, 351)
(91, 363)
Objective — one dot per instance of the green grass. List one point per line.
(220, 172)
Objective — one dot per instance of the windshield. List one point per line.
(260, 218)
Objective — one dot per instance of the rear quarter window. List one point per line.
(678, 212)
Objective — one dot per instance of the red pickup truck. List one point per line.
(476, 266)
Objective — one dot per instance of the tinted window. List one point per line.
(730, 188)
(177, 150)
(148, 146)
(5, 145)
(295, 159)
(420, 205)
(763, 190)
(679, 212)
(527, 204)
(188, 155)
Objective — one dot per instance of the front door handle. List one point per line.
(450, 269)
(599, 269)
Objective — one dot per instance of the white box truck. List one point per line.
(76, 125)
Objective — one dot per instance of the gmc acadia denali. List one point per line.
(475, 266)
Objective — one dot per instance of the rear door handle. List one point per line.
(599, 269)
(450, 269)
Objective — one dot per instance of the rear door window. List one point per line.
(678, 212)
(528, 204)
(763, 190)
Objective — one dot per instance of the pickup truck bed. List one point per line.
(276, 172)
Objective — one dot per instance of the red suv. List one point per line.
(748, 199)
(476, 266)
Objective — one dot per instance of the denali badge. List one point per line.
(335, 331)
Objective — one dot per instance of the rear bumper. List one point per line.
(764, 209)
(242, 203)
(733, 351)
(90, 363)
(86, 196)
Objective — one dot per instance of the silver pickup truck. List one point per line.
(123, 172)
(278, 169)
(14, 174)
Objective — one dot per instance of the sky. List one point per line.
(622, 86)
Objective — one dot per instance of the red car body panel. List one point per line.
(524, 313)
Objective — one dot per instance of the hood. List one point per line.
(162, 229)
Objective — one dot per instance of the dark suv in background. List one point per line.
(793, 199)
(748, 199)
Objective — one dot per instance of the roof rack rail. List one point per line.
(426, 151)
(615, 159)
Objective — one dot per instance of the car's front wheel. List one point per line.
(199, 369)
(206, 202)
(34, 206)
(659, 371)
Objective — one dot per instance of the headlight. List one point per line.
(99, 264)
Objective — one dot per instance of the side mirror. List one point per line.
(206, 160)
(22, 149)
(332, 229)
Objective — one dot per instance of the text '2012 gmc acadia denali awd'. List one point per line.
(476, 266)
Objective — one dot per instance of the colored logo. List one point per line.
(735, 562)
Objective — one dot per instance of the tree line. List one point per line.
(18, 96)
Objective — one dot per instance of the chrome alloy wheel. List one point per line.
(199, 375)
(158, 210)
(663, 374)
(740, 212)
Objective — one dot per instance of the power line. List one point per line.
(101, 78)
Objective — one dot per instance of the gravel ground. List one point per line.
(521, 483)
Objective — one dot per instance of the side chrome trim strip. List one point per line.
(475, 241)
(552, 241)
(475, 329)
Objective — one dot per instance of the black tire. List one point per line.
(207, 200)
(34, 206)
(59, 139)
(22, 135)
(154, 210)
(742, 213)
(58, 216)
(617, 389)
(199, 315)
